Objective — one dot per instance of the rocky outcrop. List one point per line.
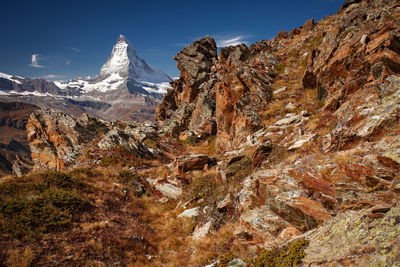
(217, 96)
(57, 139)
(244, 88)
(357, 48)
(190, 104)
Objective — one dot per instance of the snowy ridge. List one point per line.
(10, 77)
(112, 82)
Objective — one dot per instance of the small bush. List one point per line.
(38, 204)
(203, 187)
(131, 180)
(225, 258)
(291, 256)
(280, 68)
(190, 140)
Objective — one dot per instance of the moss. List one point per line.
(291, 256)
(280, 68)
(313, 42)
(225, 258)
(151, 143)
(190, 140)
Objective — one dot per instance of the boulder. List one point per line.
(190, 162)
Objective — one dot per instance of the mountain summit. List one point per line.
(124, 62)
(127, 88)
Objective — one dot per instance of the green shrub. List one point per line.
(225, 258)
(291, 256)
(190, 140)
(280, 68)
(131, 180)
(51, 210)
(38, 204)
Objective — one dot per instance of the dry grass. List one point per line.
(21, 257)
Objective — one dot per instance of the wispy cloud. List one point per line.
(223, 41)
(67, 62)
(52, 77)
(35, 61)
(75, 49)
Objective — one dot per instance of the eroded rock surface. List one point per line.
(57, 139)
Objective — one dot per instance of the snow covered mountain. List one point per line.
(124, 62)
(124, 69)
(126, 88)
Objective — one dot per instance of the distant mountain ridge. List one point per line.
(126, 88)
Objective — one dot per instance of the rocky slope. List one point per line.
(127, 88)
(284, 153)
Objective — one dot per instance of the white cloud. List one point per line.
(75, 49)
(68, 62)
(52, 77)
(35, 61)
(230, 41)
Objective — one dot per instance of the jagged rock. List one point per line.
(309, 79)
(239, 90)
(289, 119)
(191, 102)
(303, 213)
(191, 162)
(217, 97)
(260, 155)
(201, 231)
(21, 166)
(193, 212)
(309, 25)
(57, 139)
(169, 190)
(300, 143)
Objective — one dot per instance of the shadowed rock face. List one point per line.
(14, 148)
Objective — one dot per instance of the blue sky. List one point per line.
(66, 39)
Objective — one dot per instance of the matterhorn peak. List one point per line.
(125, 63)
(122, 38)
